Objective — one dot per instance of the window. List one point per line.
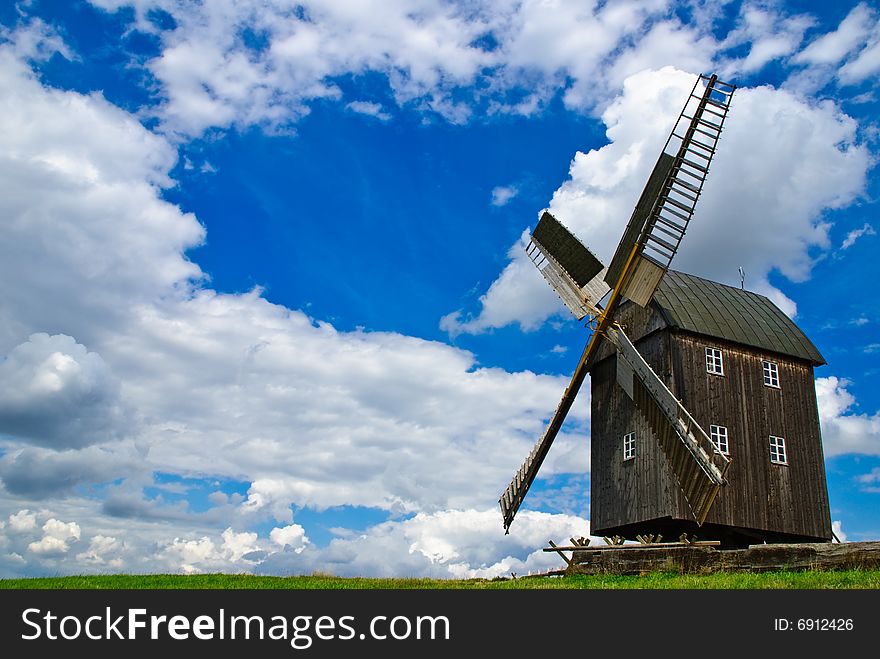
(718, 435)
(771, 374)
(629, 446)
(714, 363)
(777, 451)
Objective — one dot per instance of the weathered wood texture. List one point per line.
(787, 499)
(702, 559)
(763, 501)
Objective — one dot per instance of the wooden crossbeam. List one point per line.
(553, 547)
(658, 545)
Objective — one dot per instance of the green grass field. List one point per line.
(844, 579)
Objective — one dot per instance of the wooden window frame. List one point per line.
(723, 439)
(771, 373)
(714, 361)
(629, 446)
(778, 451)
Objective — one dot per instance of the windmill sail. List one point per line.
(569, 267)
(667, 204)
(643, 255)
(697, 466)
(515, 492)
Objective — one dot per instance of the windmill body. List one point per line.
(753, 389)
(662, 433)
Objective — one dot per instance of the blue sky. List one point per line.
(264, 302)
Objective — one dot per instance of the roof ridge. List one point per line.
(718, 283)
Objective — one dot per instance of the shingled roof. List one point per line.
(706, 307)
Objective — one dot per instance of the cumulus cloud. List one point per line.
(466, 543)
(88, 211)
(843, 429)
(314, 416)
(57, 536)
(104, 552)
(39, 473)
(221, 385)
(782, 161)
(55, 393)
(117, 324)
(23, 520)
(444, 544)
(188, 554)
(292, 536)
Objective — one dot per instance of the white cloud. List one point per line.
(519, 295)
(855, 234)
(445, 544)
(292, 536)
(36, 40)
(369, 108)
(213, 77)
(468, 543)
(23, 520)
(834, 46)
(217, 385)
(55, 393)
(503, 194)
(80, 185)
(843, 430)
(313, 416)
(233, 386)
(103, 552)
(57, 536)
(867, 63)
(258, 63)
(238, 545)
(188, 555)
(782, 161)
(39, 473)
(837, 528)
(769, 35)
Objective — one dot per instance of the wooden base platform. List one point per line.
(696, 558)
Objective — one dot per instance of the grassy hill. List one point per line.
(810, 579)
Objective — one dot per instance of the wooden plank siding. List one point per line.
(762, 501)
(787, 499)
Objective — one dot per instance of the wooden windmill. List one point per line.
(732, 356)
(643, 255)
